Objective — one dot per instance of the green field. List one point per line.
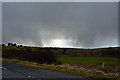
(110, 63)
(89, 60)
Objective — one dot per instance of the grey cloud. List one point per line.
(82, 24)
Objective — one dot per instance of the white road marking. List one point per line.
(3, 68)
(29, 76)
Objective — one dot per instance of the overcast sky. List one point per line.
(60, 0)
(61, 24)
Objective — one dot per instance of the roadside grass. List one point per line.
(66, 68)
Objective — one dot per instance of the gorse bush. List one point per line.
(35, 54)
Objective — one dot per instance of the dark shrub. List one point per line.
(30, 54)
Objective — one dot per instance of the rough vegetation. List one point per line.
(91, 63)
(105, 52)
(29, 54)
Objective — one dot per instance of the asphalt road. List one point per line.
(15, 71)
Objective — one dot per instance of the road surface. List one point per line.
(10, 70)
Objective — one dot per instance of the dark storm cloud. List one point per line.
(81, 24)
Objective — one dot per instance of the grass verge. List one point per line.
(66, 68)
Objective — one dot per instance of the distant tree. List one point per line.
(14, 44)
(9, 44)
(3, 44)
(20, 45)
